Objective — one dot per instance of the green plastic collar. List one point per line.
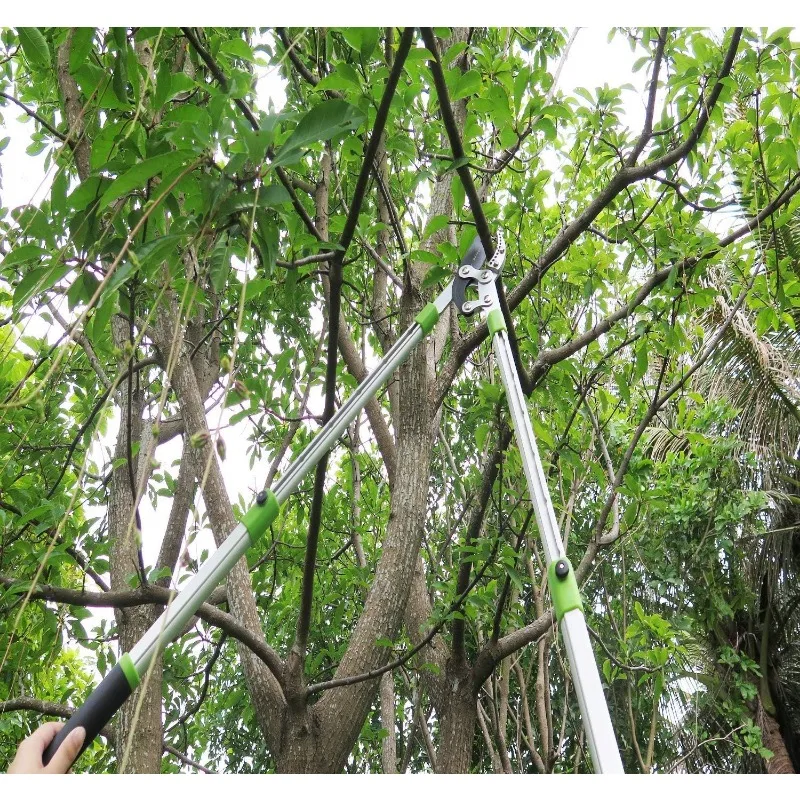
(261, 515)
(129, 669)
(495, 321)
(564, 590)
(427, 318)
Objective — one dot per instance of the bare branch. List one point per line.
(26, 703)
(334, 311)
(570, 233)
(647, 130)
(155, 595)
(31, 113)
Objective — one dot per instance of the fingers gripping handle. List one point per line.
(96, 712)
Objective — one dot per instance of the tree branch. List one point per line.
(212, 65)
(154, 595)
(457, 147)
(25, 703)
(473, 531)
(31, 113)
(376, 673)
(335, 278)
(621, 180)
(647, 131)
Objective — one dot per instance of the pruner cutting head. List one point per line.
(475, 271)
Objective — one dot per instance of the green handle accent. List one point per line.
(427, 318)
(129, 669)
(495, 321)
(563, 588)
(261, 515)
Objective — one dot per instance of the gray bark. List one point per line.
(139, 726)
(264, 689)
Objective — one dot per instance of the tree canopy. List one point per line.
(209, 274)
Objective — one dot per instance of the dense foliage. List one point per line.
(209, 275)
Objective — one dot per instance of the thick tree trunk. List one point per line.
(458, 721)
(771, 736)
(389, 742)
(343, 710)
(139, 725)
(263, 687)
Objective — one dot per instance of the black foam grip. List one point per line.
(95, 713)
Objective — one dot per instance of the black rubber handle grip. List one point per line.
(95, 713)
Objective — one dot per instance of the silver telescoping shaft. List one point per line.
(591, 700)
(216, 567)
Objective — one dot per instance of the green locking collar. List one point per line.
(563, 587)
(427, 318)
(495, 321)
(128, 667)
(261, 515)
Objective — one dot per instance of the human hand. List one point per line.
(28, 759)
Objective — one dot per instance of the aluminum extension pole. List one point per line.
(561, 576)
(119, 683)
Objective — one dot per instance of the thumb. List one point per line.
(67, 753)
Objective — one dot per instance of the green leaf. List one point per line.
(436, 224)
(219, 264)
(121, 274)
(265, 241)
(623, 388)
(781, 33)
(343, 77)
(82, 289)
(641, 362)
(87, 192)
(119, 80)
(140, 173)
(369, 40)
(425, 257)
(163, 80)
(353, 37)
(82, 43)
(256, 287)
(547, 127)
(268, 197)
(156, 250)
(23, 254)
(283, 363)
(120, 38)
(159, 573)
(468, 84)
(99, 321)
(35, 46)
(37, 281)
(328, 120)
(239, 49)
